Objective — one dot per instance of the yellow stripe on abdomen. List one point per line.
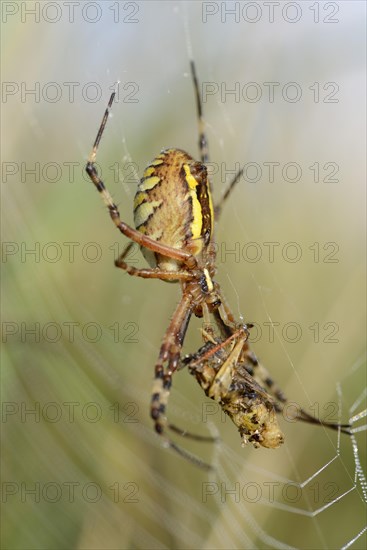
(197, 221)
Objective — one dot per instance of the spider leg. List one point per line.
(305, 417)
(203, 141)
(226, 361)
(133, 234)
(218, 207)
(224, 318)
(213, 347)
(204, 147)
(190, 435)
(150, 273)
(169, 355)
(262, 377)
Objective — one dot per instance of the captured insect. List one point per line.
(174, 221)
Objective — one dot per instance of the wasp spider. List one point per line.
(174, 220)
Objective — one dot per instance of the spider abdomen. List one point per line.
(173, 205)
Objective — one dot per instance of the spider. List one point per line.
(174, 221)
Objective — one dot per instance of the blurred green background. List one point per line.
(85, 469)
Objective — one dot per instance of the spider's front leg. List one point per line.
(136, 236)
